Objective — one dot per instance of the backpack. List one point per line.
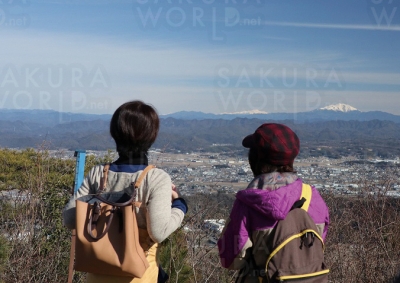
(297, 248)
(107, 237)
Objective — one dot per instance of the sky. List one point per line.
(214, 56)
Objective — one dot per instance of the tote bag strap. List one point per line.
(96, 210)
(138, 182)
(103, 181)
(144, 173)
(135, 186)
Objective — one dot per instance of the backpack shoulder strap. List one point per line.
(103, 180)
(306, 192)
(139, 181)
(142, 175)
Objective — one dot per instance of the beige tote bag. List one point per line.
(107, 238)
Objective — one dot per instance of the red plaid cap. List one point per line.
(276, 144)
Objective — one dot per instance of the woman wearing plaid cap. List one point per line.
(267, 199)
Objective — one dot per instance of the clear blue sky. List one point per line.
(200, 55)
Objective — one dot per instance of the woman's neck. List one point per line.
(134, 159)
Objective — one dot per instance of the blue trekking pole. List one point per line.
(79, 174)
(79, 168)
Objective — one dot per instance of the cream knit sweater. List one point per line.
(155, 213)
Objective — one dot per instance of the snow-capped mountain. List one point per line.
(251, 112)
(329, 113)
(341, 107)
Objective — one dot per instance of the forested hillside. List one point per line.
(337, 138)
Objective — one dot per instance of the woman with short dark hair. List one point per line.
(134, 127)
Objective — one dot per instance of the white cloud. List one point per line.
(172, 78)
(335, 26)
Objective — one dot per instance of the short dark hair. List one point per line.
(258, 166)
(134, 127)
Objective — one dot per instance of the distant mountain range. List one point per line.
(329, 113)
(192, 131)
(48, 117)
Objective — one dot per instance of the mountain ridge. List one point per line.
(336, 138)
(331, 112)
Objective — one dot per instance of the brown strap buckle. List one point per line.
(103, 180)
